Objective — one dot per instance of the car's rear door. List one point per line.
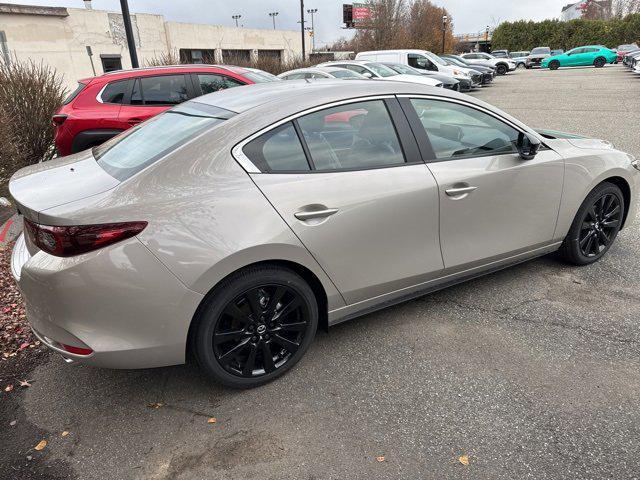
(493, 204)
(153, 94)
(366, 209)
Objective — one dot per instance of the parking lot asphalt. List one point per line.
(531, 372)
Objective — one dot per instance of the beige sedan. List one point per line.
(231, 227)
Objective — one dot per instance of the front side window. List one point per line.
(126, 154)
(356, 68)
(381, 70)
(354, 136)
(114, 92)
(160, 90)
(211, 82)
(278, 150)
(458, 131)
(421, 62)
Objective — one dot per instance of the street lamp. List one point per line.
(311, 11)
(273, 16)
(444, 32)
(304, 55)
(236, 18)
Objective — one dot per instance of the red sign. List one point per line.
(361, 12)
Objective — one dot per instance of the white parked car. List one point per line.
(320, 72)
(379, 71)
(502, 65)
(420, 59)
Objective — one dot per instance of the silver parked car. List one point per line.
(231, 227)
(320, 72)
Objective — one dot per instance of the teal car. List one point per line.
(595, 55)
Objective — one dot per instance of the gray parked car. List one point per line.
(231, 227)
(447, 81)
(534, 59)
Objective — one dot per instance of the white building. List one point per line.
(60, 36)
(574, 11)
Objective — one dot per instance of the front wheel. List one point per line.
(255, 326)
(595, 226)
(554, 65)
(502, 69)
(599, 62)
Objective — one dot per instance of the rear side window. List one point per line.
(114, 92)
(138, 147)
(211, 82)
(278, 150)
(160, 90)
(74, 94)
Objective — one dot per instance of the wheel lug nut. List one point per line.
(266, 336)
(254, 338)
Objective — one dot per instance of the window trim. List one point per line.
(246, 163)
(423, 139)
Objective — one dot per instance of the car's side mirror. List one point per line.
(528, 146)
(368, 74)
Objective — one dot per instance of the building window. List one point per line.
(111, 63)
(273, 54)
(236, 56)
(192, 55)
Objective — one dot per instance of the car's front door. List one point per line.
(367, 208)
(574, 58)
(493, 204)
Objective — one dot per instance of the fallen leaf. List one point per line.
(25, 383)
(24, 345)
(8, 388)
(155, 405)
(41, 445)
(65, 433)
(212, 420)
(464, 459)
(380, 459)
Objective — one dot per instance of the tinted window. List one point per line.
(278, 150)
(114, 92)
(74, 94)
(258, 76)
(357, 135)
(138, 147)
(355, 68)
(421, 62)
(210, 82)
(163, 90)
(540, 51)
(457, 131)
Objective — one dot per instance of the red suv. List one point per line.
(101, 107)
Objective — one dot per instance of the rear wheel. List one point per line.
(599, 62)
(255, 326)
(595, 226)
(554, 65)
(502, 69)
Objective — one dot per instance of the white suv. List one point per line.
(502, 65)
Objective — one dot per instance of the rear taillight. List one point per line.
(76, 350)
(77, 239)
(58, 118)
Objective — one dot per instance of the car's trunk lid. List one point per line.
(57, 182)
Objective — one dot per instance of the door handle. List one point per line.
(308, 215)
(134, 121)
(458, 191)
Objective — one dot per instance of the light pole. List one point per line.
(304, 54)
(236, 18)
(486, 38)
(273, 16)
(444, 32)
(128, 30)
(311, 11)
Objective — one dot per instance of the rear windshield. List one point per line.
(74, 94)
(540, 50)
(382, 70)
(128, 153)
(344, 73)
(260, 76)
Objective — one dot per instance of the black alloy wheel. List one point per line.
(255, 326)
(554, 65)
(600, 224)
(595, 226)
(599, 62)
(502, 69)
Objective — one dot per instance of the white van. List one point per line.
(420, 59)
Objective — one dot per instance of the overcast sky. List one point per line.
(470, 16)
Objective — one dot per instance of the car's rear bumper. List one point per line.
(119, 302)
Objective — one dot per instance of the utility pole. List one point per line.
(273, 16)
(304, 54)
(236, 18)
(444, 32)
(311, 11)
(131, 42)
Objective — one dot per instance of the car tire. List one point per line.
(238, 327)
(502, 69)
(554, 65)
(599, 62)
(595, 226)
(520, 65)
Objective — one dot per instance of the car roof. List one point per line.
(165, 69)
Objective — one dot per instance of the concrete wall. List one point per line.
(59, 37)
